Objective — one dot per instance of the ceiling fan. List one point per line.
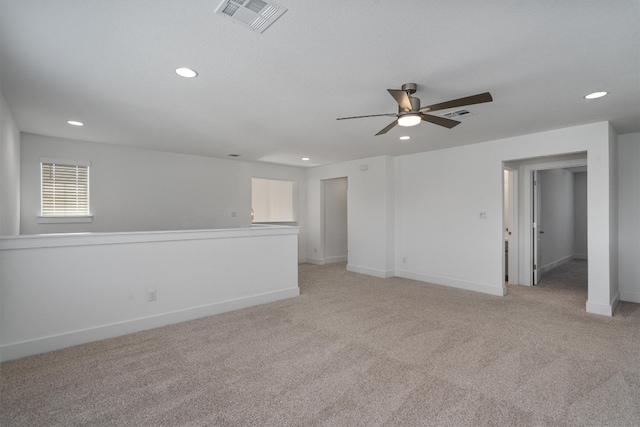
(410, 113)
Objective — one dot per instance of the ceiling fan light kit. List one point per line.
(409, 120)
(410, 113)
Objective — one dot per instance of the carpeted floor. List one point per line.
(352, 350)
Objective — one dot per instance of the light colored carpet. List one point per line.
(352, 350)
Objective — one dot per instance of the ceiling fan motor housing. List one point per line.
(410, 88)
(415, 106)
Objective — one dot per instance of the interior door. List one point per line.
(536, 227)
(511, 225)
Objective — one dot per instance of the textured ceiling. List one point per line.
(275, 96)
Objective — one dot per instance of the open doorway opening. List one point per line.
(560, 229)
(335, 225)
(519, 215)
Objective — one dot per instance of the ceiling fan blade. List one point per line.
(371, 115)
(402, 98)
(442, 121)
(388, 128)
(468, 100)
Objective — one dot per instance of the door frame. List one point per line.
(526, 253)
(323, 219)
(536, 226)
(513, 254)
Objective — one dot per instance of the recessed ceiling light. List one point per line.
(306, 159)
(186, 72)
(404, 138)
(595, 95)
(75, 123)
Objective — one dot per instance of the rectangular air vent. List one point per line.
(257, 15)
(458, 113)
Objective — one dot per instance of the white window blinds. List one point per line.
(273, 200)
(65, 189)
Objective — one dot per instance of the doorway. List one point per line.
(518, 214)
(559, 223)
(335, 225)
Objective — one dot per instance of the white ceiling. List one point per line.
(275, 96)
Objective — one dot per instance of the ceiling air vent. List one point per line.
(454, 114)
(257, 15)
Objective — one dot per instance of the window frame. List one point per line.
(60, 218)
(294, 201)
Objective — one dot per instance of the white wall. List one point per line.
(440, 194)
(140, 190)
(557, 212)
(614, 288)
(629, 216)
(135, 189)
(370, 214)
(9, 172)
(62, 290)
(335, 220)
(580, 218)
(423, 208)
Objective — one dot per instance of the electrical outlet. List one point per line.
(151, 295)
(234, 214)
(483, 215)
(404, 260)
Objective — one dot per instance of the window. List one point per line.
(273, 200)
(65, 189)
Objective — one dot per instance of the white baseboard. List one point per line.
(323, 261)
(580, 256)
(57, 342)
(614, 302)
(556, 263)
(454, 283)
(603, 309)
(385, 274)
(630, 296)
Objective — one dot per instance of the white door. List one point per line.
(536, 227)
(511, 224)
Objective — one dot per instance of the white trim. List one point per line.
(526, 255)
(603, 309)
(454, 283)
(315, 261)
(26, 241)
(614, 302)
(64, 219)
(513, 259)
(556, 264)
(56, 342)
(334, 259)
(370, 271)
